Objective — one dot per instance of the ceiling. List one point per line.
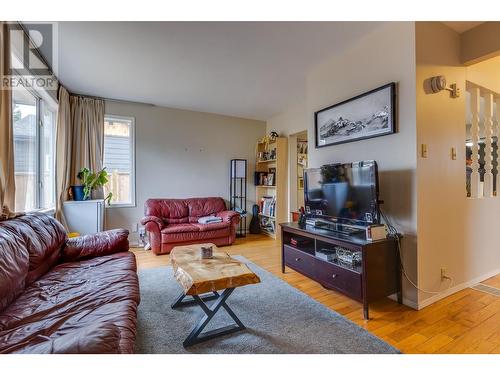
(462, 26)
(244, 69)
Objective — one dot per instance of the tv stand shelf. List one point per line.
(377, 275)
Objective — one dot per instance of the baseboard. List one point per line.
(455, 289)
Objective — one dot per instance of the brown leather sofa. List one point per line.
(173, 222)
(60, 295)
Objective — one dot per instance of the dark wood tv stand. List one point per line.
(378, 275)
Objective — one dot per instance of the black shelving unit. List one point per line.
(238, 192)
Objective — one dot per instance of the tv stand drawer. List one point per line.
(333, 276)
(299, 260)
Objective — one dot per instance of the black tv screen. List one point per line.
(345, 193)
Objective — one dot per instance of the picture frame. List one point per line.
(371, 114)
(270, 179)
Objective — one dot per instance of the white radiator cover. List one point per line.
(84, 217)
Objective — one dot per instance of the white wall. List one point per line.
(385, 55)
(184, 154)
(441, 181)
(454, 232)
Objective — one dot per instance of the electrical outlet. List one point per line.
(135, 228)
(443, 274)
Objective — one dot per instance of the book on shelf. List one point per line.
(268, 205)
(267, 224)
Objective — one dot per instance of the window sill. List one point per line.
(46, 211)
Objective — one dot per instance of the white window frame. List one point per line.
(132, 163)
(42, 99)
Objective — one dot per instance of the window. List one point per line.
(119, 159)
(34, 151)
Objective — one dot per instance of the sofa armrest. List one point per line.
(232, 217)
(153, 222)
(95, 245)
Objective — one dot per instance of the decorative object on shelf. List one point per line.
(368, 115)
(264, 139)
(90, 181)
(301, 146)
(302, 217)
(270, 179)
(348, 257)
(254, 223)
(265, 178)
(238, 193)
(207, 252)
(272, 136)
(272, 154)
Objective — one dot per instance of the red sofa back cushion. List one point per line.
(175, 211)
(199, 207)
(171, 211)
(30, 245)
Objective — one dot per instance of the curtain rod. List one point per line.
(112, 99)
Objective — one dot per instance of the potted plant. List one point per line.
(90, 181)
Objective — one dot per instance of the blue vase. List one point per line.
(78, 193)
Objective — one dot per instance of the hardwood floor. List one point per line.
(465, 322)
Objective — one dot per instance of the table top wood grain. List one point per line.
(198, 276)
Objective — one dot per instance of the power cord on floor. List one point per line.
(394, 234)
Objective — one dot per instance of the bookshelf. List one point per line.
(271, 194)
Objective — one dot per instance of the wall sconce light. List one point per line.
(438, 83)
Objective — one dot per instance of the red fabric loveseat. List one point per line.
(173, 222)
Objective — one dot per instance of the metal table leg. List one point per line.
(182, 301)
(196, 336)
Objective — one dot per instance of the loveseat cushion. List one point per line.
(196, 235)
(212, 226)
(95, 245)
(180, 228)
(72, 296)
(169, 210)
(200, 207)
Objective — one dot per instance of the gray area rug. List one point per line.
(278, 317)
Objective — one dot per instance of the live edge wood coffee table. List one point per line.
(202, 279)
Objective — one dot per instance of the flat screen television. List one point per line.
(343, 193)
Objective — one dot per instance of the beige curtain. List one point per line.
(7, 181)
(87, 117)
(64, 143)
(80, 142)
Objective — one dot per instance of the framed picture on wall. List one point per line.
(368, 115)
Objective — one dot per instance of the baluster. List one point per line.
(474, 177)
(488, 149)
